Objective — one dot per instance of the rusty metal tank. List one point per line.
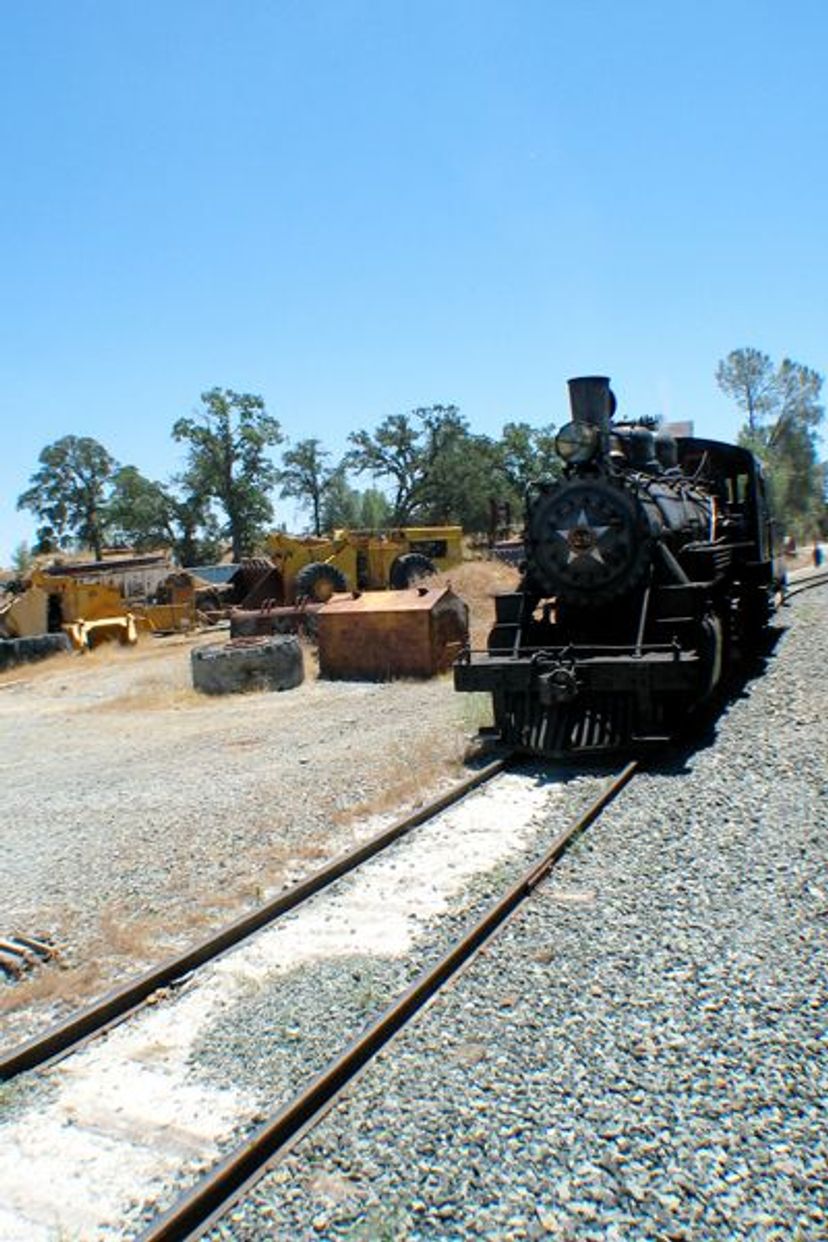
(380, 635)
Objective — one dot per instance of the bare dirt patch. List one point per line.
(138, 813)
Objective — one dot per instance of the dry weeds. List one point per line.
(145, 939)
(478, 582)
(406, 772)
(53, 983)
(151, 696)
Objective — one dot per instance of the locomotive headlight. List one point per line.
(577, 442)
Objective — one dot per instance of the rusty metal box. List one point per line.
(378, 635)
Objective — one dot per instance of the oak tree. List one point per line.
(228, 461)
(68, 493)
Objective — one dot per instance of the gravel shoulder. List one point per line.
(136, 812)
(642, 1054)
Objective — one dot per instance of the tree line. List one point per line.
(432, 467)
(784, 415)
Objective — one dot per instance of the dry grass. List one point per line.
(53, 983)
(151, 696)
(123, 935)
(411, 773)
(73, 665)
(477, 582)
(158, 679)
(62, 663)
(118, 935)
(142, 939)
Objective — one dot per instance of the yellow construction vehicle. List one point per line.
(315, 567)
(90, 609)
(87, 611)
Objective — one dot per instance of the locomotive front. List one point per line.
(593, 537)
(616, 629)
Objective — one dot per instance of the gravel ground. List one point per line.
(642, 1053)
(136, 812)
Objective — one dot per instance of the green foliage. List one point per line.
(440, 472)
(228, 461)
(374, 510)
(462, 483)
(407, 449)
(784, 416)
(434, 468)
(748, 376)
(527, 454)
(22, 559)
(346, 507)
(305, 477)
(341, 503)
(68, 493)
(149, 515)
(137, 510)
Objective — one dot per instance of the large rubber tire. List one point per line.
(319, 582)
(410, 568)
(267, 663)
(15, 651)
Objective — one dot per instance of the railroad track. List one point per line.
(207, 1201)
(805, 581)
(116, 1005)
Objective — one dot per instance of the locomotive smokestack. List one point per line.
(592, 400)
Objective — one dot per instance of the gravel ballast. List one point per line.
(642, 1053)
(137, 812)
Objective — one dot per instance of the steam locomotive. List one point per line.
(649, 570)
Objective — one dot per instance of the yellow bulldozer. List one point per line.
(315, 568)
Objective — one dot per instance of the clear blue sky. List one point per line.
(354, 207)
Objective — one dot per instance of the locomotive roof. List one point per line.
(735, 455)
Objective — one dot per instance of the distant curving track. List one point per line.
(806, 580)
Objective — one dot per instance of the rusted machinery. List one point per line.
(379, 635)
(90, 602)
(87, 612)
(315, 568)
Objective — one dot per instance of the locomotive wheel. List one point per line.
(319, 581)
(710, 648)
(407, 568)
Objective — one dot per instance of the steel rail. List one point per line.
(798, 585)
(209, 1199)
(114, 1006)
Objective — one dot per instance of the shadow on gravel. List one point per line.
(702, 726)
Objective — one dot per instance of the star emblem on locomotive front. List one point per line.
(582, 538)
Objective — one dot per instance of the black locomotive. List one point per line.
(649, 569)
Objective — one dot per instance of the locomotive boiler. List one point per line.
(649, 568)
